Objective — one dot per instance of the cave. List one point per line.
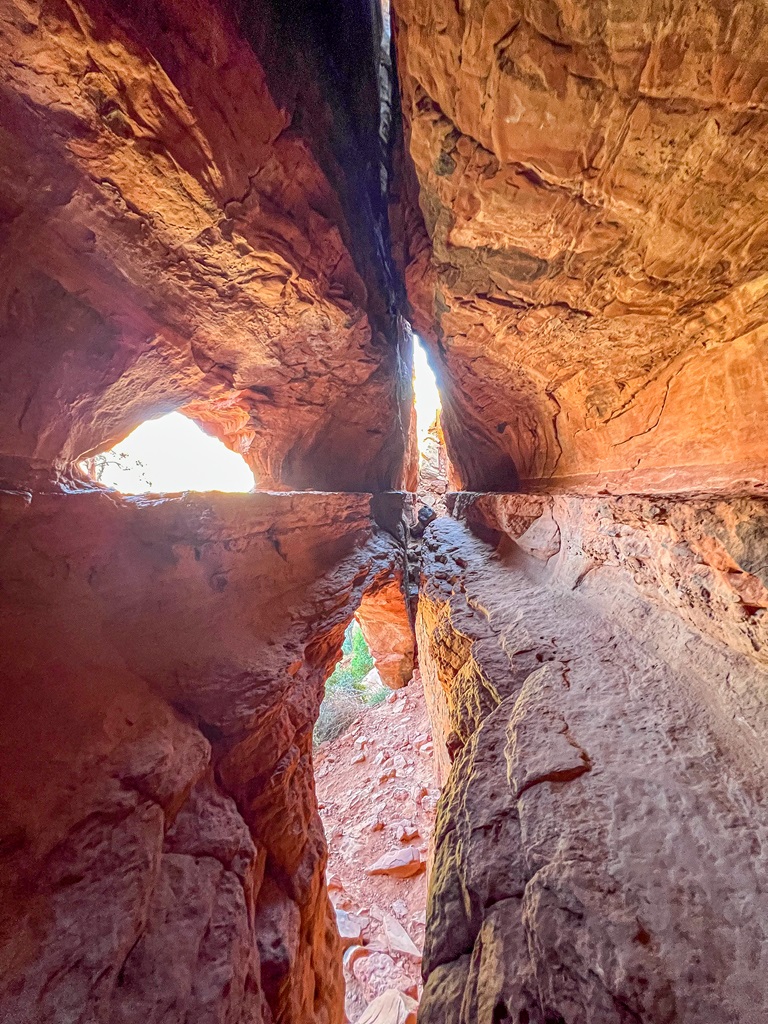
(170, 454)
(242, 212)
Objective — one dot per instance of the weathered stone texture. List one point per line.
(172, 233)
(600, 840)
(433, 469)
(193, 214)
(591, 267)
(161, 856)
(388, 631)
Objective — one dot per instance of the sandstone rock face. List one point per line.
(600, 842)
(433, 469)
(701, 558)
(388, 631)
(591, 266)
(161, 856)
(189, 217)
(194, 204)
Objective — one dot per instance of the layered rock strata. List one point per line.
(190, 216)
(583, 238)
(597, 669)
(194, 204)
(161, 855)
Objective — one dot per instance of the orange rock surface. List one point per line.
(600, 687)
(181, 228)
(388, 631)
(161, 850)
(195, 208)
(590, 270)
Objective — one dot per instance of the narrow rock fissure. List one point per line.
(384, 626)
(377, 795)
(374, 773)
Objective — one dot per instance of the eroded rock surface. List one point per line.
(388, 631)
(433, 469)
(189, 216)
(600, 842)
(162, 856)
(590, 269)
(194, 203)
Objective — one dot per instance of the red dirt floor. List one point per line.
(377, 793)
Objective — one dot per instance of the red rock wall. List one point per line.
(584, 241)
(193, 214)
(173, 234)
(434, 470)
(599, 667)
(161, 855)
(388, 631)
(577, 196)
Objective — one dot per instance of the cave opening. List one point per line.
(234, 210)
(377, 796)
(375, 775)
(352, 687)
(426, 396)
(170, 454)
(433, 469)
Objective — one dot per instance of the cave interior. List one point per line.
(244, 211)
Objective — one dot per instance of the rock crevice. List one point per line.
(240, 210)
(162, 850)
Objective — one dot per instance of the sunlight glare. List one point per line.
(426, 395)
(173, 454)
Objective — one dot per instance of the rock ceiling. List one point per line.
(194, 216)
(593, 270)
(176, 226)
(232, 207)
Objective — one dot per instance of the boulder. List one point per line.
(398, 939)
(398, 863)
(351, 928)
(378, 973)
(392, 1007)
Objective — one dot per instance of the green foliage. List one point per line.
(355, 664)
(361, 662)
(376, 695)
(346, 695)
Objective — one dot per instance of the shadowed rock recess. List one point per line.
(238, 210)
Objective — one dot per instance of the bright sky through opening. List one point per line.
(426, 395)
(173, 454)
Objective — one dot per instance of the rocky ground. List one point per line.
(377, 794)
